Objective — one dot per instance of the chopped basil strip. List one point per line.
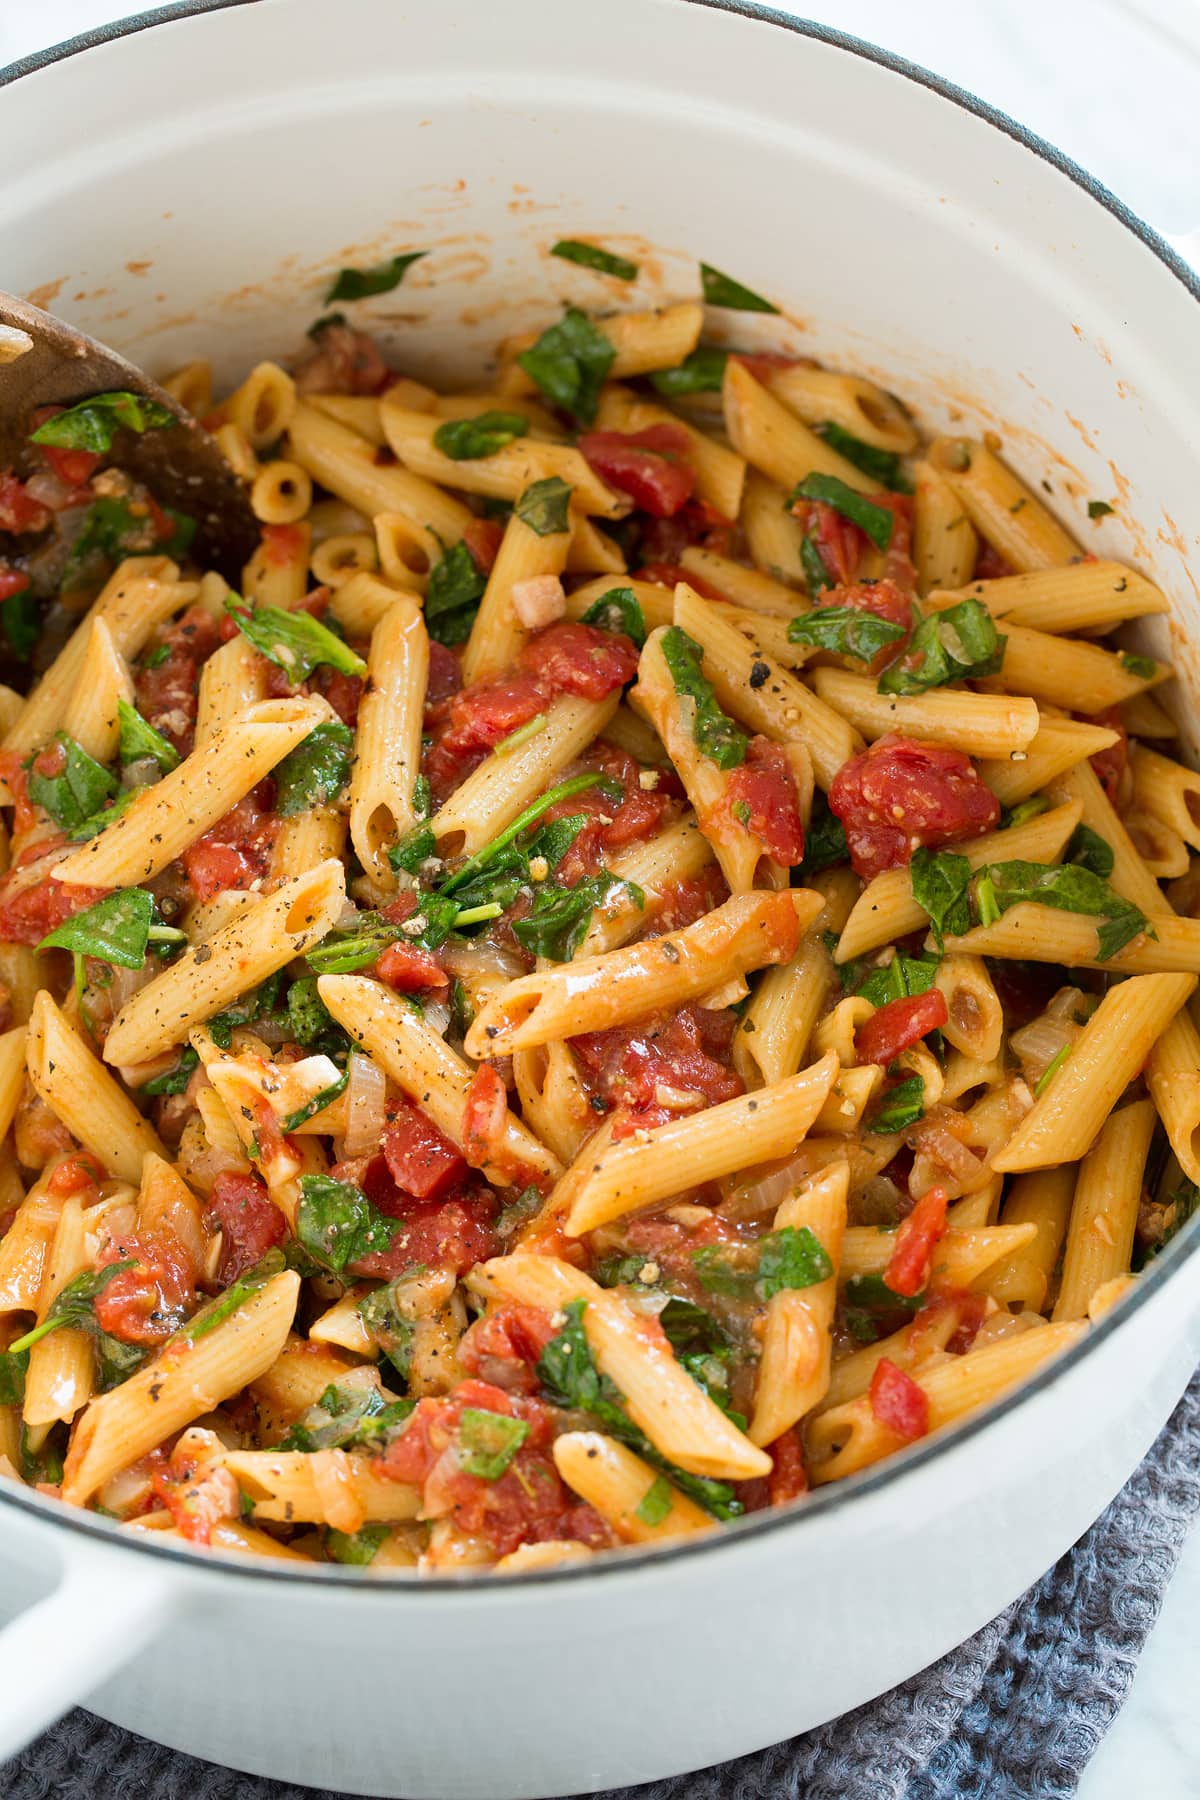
(898, 979)
(590, 256)
(357, 1549)
(874, 1310)
(1144, 667)
(788, 1258)
(488, 1441)
(1090, 850)
(347, 1416)
(488, 854)
(1098, 508)
(655, 1503)
(348, 948)
(846, 631)
(175, 1079)
(337, 1224)
(316, 771)
(294, 641)
(13, 1367)
(361, 284)
(899, 1107)
(21, 622)
(94, 423)
(816, 575)
(560, 917)
(1050, 1071)
(723, 290)
(310, 1020)
(940, 881)
(824, 838)
(876, 521)
(618, 611)
(545, 506)
(1026, 810)
(1071, 887)
(882, 466)
(234, 1296)
(456, 586)
(116, 929)
(75, 794)
(317, 1104)
(139, 738)
(715, 734)
(959, 644)
(487, 432)
(569, 363)
(703, 372)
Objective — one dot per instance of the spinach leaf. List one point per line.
(876, 521)
(110, 529)
(723, 290)
(316, 771)
(570, 363)
(788, 1258)
(357, 1549)
(116, 930)
(901, 977)
(21, 622)
(140, 739)
(337, 1224)
(1143, 667)
(560, 916)
(846, 631)
(468, 439)
(175, 1079)
(490, 854)
(258, 1004)
(78, 791)
(701, 372)
(618, 611)
(488, 1441)
(715, 734)
(13, 1368)
(898, 1107)
(345, 1416)
(388, 1327)
(824, 839)
(361, 284)
(882, 466)
(348, 948)
(326, 1097)
(1087, 848)
(456, 586)
(99, 821)
(816, 576)
(940, 881)
(590, 256)
(73, 1307)
(92, 424)
(234, 1296)
(294, 641)
(1023, 812)
(656, 1502)
(959, 644)
(873, 1310)
(1071, 887)
(688, 1327)
(545, 506)
(309, 1019)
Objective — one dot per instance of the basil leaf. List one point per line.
(714, 732)
(873, 1310)
(559, 920)
(415, 847)
(959, 644)
(590, 256)
(456, 586)
(656, 1502)
(1090, 850)
(21, 621)
(618, 611)
(1143, 667)
(816, 575)
(488, 1441)
(357, 1549)
(1026, 810)
(318, 1103)
(1098, 508)
(175, 1080)
(487, 432)
(723, 290)
(116, 929)
(940, 881)
(316, 771)
(544, 506)
(490, 853)
(388, 1327)
(309, 1019)
(569, 363)
(1071, 887)
(846, 631)
(99, 821)
(337, 1224)
(348, 948)
(898, 1107)
(824, 839)
(94, 423)
(876, 521)
(900, 978)
(257, 1005)
(78, 792)
(235, 1295)
(293, 641)
(882, 466)
(689, 1328)
(13, 1368)
(139, 738)
(345, 1416)
(361, 284)
(110, 529)
(788, 1258)
(702, 372)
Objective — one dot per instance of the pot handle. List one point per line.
(64, 1646)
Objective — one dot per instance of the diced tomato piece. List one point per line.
(343, 692)
(197, 1496)
(75, 467)
(661, 1067)
(483, 538)
(580, 659)
(19, 511)
(897, 1402)
(1109, 764)
(901, 794)
(452, 1234)
(761, 793)
(647, 465)
(480, 716)
(75, 1173)
(445, 674)
(769, 363)
(410, 970)
(485, 1116)
(29, 910)
(788, 1478)
(887, 600)
(235, 853)
(250, 1223)
(421, 1159)
(504, 1345)
(893, 1027)
(12, 581)
(967, 1310)
(283, 545)
(908, 1266)
(167, 694)
(840, 543)
(145, 1304)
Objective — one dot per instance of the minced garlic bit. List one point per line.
(649, 779)
(539, 868)
(538, 601)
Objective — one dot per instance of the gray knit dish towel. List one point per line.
(1017, 1710)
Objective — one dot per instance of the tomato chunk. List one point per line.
(19, 511)
(410, 970)
(250, 1223)
(1109, 764)
(422, 1161)
(235, 853)
(504, 1345)
(762, 795)
(29, 909)
(646, 465)
(664, 1066)
(12, 581)
(579, 659)
(145, 1304)
(897, 1401)
(788, 1478)
(908, 1266)
(892, 1028)
(485, 1116)
(901, 794)
(451, 1234)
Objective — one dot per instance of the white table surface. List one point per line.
(1115, 84)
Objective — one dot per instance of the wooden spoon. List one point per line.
(44, 361)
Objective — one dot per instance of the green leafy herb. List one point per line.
(899, 1106)
(109, 529)
(618, 611)
(456, 586)
(816, 576)
(388, 1326)
(899, 978)
(1098, 508)
(337, 1224)
(882, 466)
(702, 372)
(1023, 812)
(258, 1004)
(846, 631)
(723, 290)
(874, 1310)
(959, 644)
(569, 363)
(175, 1080)
(689, 1328)
(157, 657)
(1050, 1071)
(357, 1549)
(77, 792)
(361, 284)
(309, 1019)
(940, 881)
(293, 641)
(715, 734)
(21, 622)
(487, 432)
(347, 1415)
(590, 256)
(545, 506)
(559, 919)
(348, 948)
(140, 739)
(492, 853)
(824, 839)
(488, 1442)
(1087, 848)
(789, 1258)
(13, 1368)
(294, 1120)
(94, 423)
(1143, 667)
(316, 771)
(234, 1296)
(116, 930)
(73, 1307)
(656, 1502)
(1071, 887)
(876, 521)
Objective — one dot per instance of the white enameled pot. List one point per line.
(184, 185)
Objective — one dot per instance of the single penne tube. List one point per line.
(1162, 850)
(657, 602)
(1109, 1051)
(853, 1092)
(1108, 1193)
(1172, 1075)
(780, 707)
(979, 724)
(387, 746)
(1168, 791)
(426, 1070)
(262, 406)
(233, 678)
(703, 1146)
(774, 535)
(554, 1102)
(211, 976)
(1067, 672)
(361, 412)
(304, 840)
(642, 342)
(975, 1024)
(771, 436)
(12, 1074)
(345, 463)
(191, 385)
(234, 446)
(294, 1487)
(405, 552)
(999, 505)
(174, 812)
(797, 1341)
(960, 1258)
(1082, 596)
(593, 549)
(748, 588)
(277, 573)
(1143, 717)
(886, 909)
(861, 407)
(777, 1024)
(92, 717)
(342, 1325)
(26, 1245)
(1042, 1199)
(1058, 745)
(497, 635)
(1042, 934)
(503, 475)
(281, 493)
(59, 1380)
(506, 782)
(302, 1371)
(658, 974)
(676, 854)
(676, 1414)
(190, 1375)
(81, 1093)
(945, 543)
(619, 1484)
(720, 472)
(167, 1207)
(360, 603)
